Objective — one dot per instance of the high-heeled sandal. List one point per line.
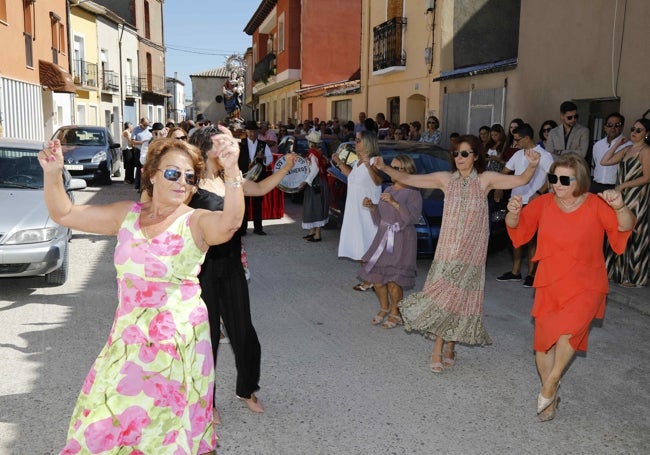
(543, 403)
(253, 404)
(436, 367)
(308, 236)
(379, 318)
(449, 362)
(549, 413)
(392, 321)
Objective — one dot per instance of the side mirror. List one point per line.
(76, 184)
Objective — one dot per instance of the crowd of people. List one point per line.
(182, 281)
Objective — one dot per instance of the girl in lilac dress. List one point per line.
(389, 263)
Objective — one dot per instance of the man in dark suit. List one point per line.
(254, 152)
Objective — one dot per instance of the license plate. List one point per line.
(74, 167)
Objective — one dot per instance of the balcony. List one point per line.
(133, 86)
(85, 73)
(110, 81)
(154, 84)
(387, 50)
(265, 69)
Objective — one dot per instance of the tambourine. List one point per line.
(296, 175)
(254, 172)
(347, 153)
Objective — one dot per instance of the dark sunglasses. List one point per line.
(357, 139)
(397, 168)
(614, 125)
(636, 130)
(565, 180)
(203, 123)
(174, 175)
(571, 117)
(181, 138)
(463, 153)
(546, 130)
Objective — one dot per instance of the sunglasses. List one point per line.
(546, 130)
(636, 130)
(181, 138)
(565, 180)
(397, 168)
(357, 140)
(614, 125)
(571, 117)
(203, 123)
(174, 175)
(463, 153)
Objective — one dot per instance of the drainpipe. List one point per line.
(122, 98)
(68, 7)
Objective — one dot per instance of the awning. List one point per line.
(55, 78)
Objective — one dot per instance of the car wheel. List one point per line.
(60, 275)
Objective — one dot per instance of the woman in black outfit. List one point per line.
(224, 288)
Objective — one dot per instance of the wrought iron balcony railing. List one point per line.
(110, 81)
(154, 84)
(132, 86)
(85, 73)
(265, 68)
(387, 50)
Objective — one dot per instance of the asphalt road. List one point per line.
(332, 382)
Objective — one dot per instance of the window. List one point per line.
(149, 75)
(28, 11)
(3, 10)
(55, 21)
(147, 26)
(281, 35)
(342, 109)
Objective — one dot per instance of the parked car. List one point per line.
(30, 242)
(428, 158)
(89, 152)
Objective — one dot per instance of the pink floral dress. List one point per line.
(150, 391)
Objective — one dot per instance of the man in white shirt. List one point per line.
(604, 177)
(252, 152)
(517, 164)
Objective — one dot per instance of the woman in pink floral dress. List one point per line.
(150, 389)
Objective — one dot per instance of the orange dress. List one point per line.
(571, 280)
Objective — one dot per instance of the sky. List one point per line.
(201, 34)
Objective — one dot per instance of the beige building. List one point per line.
(479, 62)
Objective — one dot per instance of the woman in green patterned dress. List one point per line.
(450, 307)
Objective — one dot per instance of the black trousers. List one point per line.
(226, 297)
(599, 187)
(129, 166)
(257, 213)
(138, 168)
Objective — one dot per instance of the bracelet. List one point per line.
(234, 181)
(620, 208)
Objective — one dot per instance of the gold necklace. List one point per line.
(571, 205)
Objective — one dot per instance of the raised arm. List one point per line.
(496, 180)
(644, 157)
(219, 227)
(263, 187)
(611, 156)
(434, 180)
(97, 219)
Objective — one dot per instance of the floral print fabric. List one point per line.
(151, 388)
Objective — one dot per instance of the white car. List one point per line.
(30, 242)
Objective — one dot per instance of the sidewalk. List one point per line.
(636, 298)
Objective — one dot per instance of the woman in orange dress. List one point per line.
(571, 281)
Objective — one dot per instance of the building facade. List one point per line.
(36, 89)
(297, 60)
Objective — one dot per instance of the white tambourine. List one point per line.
(296, 175)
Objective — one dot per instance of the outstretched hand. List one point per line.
(613, 198)
(228, 149)
(290, 160)
(379, 164)
(51, 158)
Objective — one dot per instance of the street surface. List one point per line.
(331, 382)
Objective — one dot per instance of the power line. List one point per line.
(196, 50)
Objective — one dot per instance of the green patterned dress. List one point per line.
(150, 391)
(632, 265)
(451, 303)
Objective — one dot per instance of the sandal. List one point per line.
(379, 318)
(436, 367)
(363, 287)
(308, 236)
(449, 359)
(392, 321)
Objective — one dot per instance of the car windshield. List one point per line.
(81, 136)
(19, 168)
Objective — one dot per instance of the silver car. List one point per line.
(30, 242)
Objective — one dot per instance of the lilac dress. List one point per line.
(392, 254)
